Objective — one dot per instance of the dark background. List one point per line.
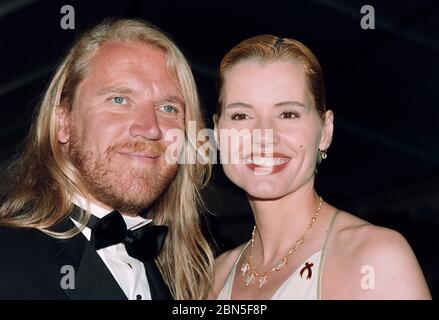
(382, 84)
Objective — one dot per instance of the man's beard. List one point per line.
(128, 191)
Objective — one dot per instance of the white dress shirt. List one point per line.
(128, 271)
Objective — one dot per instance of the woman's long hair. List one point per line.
(45, 180)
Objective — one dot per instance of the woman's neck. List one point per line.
(282, 221)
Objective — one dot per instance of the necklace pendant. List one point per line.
(262, 280)
(249, 279)
(245, 268)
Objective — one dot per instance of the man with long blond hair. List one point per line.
(95, 192)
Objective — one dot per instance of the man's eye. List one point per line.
(119, 100)
(169, 109)
(288, 115)
(239, 116)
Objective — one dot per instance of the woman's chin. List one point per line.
(264, 193)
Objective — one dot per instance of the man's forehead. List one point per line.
(113, 55)
(131, 65)
(122, 48)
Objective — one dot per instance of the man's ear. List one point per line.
(327, 131)
(63, 122)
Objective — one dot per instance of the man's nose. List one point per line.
(145, 124)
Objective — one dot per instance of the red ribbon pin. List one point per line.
(307, 267)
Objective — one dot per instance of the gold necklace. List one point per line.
(248, 271)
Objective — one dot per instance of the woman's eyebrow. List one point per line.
(238, 105)
(290, 103)
(279, 104)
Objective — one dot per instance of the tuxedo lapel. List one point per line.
(159, 289)
(92, 279)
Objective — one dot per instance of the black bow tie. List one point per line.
(143, 243)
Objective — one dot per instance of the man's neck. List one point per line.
(95, 205)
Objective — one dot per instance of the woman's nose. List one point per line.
(264, 133)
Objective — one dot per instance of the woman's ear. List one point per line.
(63, 122)
(327, 131)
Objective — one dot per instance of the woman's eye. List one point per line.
(119, 100)
(239, 116)
(169, 109)
(288, 115)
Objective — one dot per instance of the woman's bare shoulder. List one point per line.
(353, 234)
(381, 253)
(223, 265)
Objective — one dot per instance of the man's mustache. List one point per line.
(151, 148)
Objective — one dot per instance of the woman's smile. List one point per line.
(267, 164)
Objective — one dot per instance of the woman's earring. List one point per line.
(323, 154)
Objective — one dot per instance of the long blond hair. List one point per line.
(45, 180)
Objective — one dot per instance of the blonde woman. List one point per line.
(76, 222)
(301, 247)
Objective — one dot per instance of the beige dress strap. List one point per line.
(226, 291)
(322, 258)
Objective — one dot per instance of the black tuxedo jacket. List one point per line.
(31, 267)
